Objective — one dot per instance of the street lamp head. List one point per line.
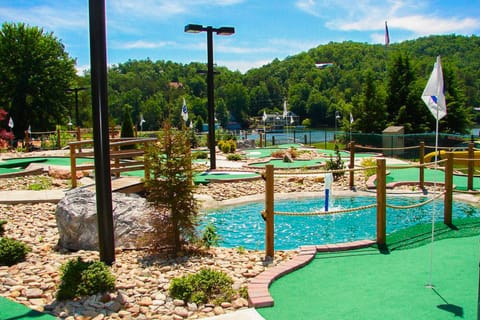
(225, 31)
(194, 28)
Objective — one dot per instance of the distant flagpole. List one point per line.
(434, 98)
(184, 111)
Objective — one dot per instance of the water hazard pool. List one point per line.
(243, 225)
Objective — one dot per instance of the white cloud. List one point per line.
(142, 44)
(243, 65)
(47, 17)
(417, 17)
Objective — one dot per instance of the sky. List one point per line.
(264, 30)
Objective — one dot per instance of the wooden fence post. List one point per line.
(73, 165)
(352, 164)
(448, 199)
(59, 142)
(381, 202)
(269, 212)
(421, 183)
(471, 164)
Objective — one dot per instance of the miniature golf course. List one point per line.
(387, 284)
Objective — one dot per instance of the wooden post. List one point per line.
(352, 164)
(471, 163)
(59, 146)
(381, 202)
(27, 141)
(421, 173)
(448, 199)
(73, 165)
(261, 139)
(269, 213)
(146, 167)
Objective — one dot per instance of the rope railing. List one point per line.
(383, 149)
(417, 205)
(322, 213)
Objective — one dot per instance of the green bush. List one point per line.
(83, 278)
(210, 236)
(227, 146)
(12, 251)
(335, 164)
(369, 162)
(41, 183)
(205, 286)
(234, 157)
(200, 155)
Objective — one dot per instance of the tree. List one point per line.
(35, 72)
(127, 126)
(371, 107)
(171, 189)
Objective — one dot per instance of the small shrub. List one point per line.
(210, 236)
(200, 155)
(205, 286)
(335, 164)
(84, 278)
(41, 183)
(12, 251)
(227, 146)
(369, 162)
(234, 157)
(241, 249)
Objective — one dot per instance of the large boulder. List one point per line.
(76, 216)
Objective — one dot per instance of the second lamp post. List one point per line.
(225, 31)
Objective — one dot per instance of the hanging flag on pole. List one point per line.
(291, 120)
(184, 111)
(387, 35)
(264, 118)
(29, 130)
(285, 112)
(433, 95)
(10, 123)
(351, 118)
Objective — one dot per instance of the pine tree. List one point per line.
(170, 190)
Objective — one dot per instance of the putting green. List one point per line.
(368, 284)
(12, 310)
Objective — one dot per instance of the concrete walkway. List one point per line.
(30, 196)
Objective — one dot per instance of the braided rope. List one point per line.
(416, 205)
(296, 172)
(320, 213)
(377, 148)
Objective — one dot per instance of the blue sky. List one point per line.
(265, 30)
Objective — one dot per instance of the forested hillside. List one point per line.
(379, 85)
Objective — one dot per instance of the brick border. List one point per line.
(258, 294)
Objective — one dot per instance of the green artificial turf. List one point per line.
(388, 283)
(10, 310)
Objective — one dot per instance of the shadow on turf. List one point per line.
(457, 311)
(29, 315)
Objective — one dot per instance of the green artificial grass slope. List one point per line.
(388, 284)
(10, 310)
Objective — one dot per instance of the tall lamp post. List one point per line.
(75, 90)
(223, 31)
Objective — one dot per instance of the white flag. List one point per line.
(142, 121)
(433, 95)
(184, 111)
(351, 118)
(285, 112)
(264, 118)
(29, 130)
(10, 123)
(291, 120)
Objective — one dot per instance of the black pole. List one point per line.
(103, 187)
(210, 97)
(77, 121)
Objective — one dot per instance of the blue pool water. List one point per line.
(243, 225)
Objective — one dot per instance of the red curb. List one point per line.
(258, 294)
